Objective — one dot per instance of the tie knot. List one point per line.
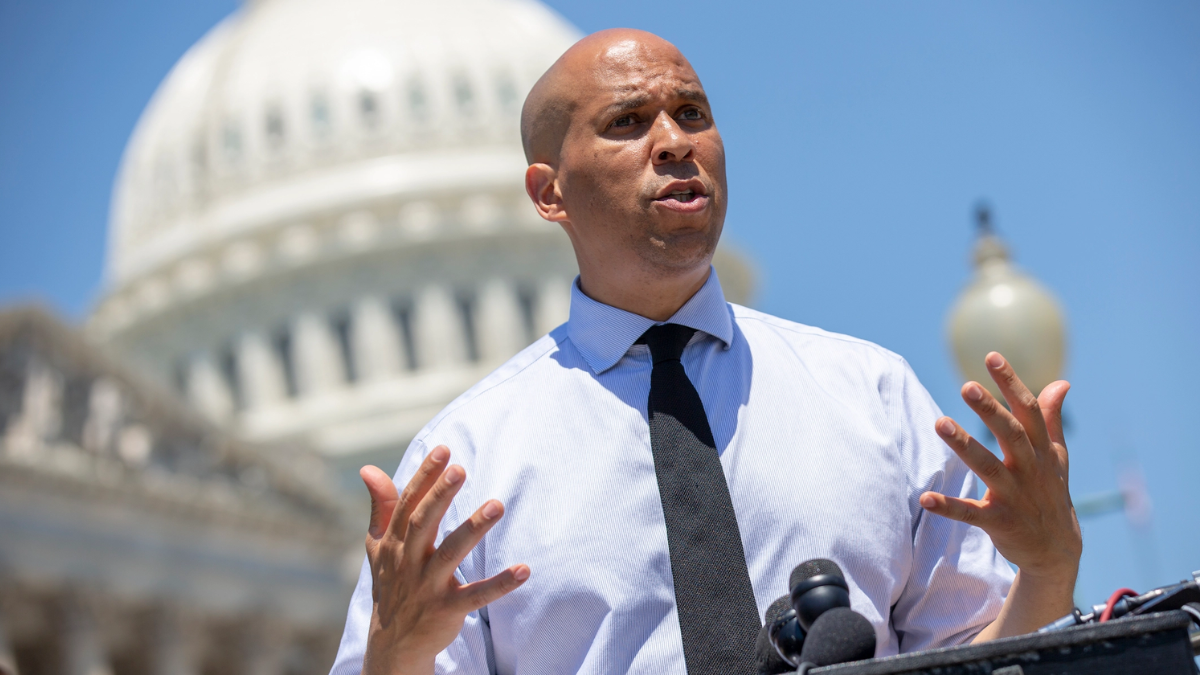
(667, 341)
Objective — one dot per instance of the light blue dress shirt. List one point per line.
(826, 441)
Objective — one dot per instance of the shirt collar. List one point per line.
(603, 334)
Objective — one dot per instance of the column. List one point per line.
(83, 649)
(263, 647)
(172, 644)
(259, 371)
(106, 414)
(8, 659)
(438, 331)
(315, 350)
(553, 304)
(375, 339)
(206, 390)
(501, 328)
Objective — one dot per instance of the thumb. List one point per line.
(963, 510)
(383, 499)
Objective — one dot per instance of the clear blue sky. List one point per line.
(859, 137)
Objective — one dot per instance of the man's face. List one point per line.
(642, 167)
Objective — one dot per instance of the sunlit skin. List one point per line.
(625, 155)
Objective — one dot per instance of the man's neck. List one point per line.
(656, 298)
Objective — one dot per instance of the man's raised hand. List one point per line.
(418, 605)
(1027, 508)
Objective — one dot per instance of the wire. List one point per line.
(1191, 609)
(1112, 602)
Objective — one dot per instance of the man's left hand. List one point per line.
(1027, 508)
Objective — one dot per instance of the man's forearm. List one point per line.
(1032, 603)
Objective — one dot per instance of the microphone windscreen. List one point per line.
(777, 609)
(767, 660)
(811, 568)
(838, 636)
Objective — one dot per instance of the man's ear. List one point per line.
(541, 184)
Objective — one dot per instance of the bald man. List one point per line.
(629, 493)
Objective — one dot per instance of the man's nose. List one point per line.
(670, 142)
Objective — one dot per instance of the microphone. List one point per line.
(779, 628)
(837, 636)
(817, 586)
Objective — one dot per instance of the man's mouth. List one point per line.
(683, 196)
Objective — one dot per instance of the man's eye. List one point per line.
(623, 121)
(692, 115)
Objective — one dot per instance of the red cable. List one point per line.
(1112, 602)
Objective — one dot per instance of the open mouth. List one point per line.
(683, 196)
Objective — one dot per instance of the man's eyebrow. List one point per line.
(693, 95)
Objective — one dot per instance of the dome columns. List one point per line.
(259, 373)
(501, 332)
(316, 355)
(375, 339)
(206, 390)
(440, 339)
(553, 305)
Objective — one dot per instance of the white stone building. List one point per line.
(319, 237)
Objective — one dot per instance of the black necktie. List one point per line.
(717, 612)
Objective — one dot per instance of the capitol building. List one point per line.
(319, 237)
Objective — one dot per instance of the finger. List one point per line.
(459, 543)
(967, 511)
(425, 519)
(425, 478)
(480, 593)
(383, 499)
(1023, 403)
(1007, 430)
(979, 459)
(1051, 400)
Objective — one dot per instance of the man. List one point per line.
(663, 459)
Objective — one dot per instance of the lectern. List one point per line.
(1153, 644)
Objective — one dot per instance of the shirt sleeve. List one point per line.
(469, 654)
(958, 581)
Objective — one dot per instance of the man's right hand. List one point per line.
(418, 605)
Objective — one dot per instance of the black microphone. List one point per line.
(839, 635)
(779, 624)
(817, 586)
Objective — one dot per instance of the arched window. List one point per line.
(368, 108)
(464, 96)
(418, 103)
(274, 126)
(320, 116)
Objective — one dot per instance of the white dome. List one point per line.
(320, 230)
(290, 108)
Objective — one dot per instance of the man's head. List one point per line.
(624, 154)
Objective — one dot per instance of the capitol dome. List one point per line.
(319, 231)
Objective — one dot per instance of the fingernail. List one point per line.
(440, 454)
(975, 392)
(521, 574)
(491, 510)
(928, 501)
(946, 427)
(994, 360)
(453, 475)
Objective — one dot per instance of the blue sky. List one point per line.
(859, 135)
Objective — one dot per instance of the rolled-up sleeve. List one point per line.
(957, 581)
